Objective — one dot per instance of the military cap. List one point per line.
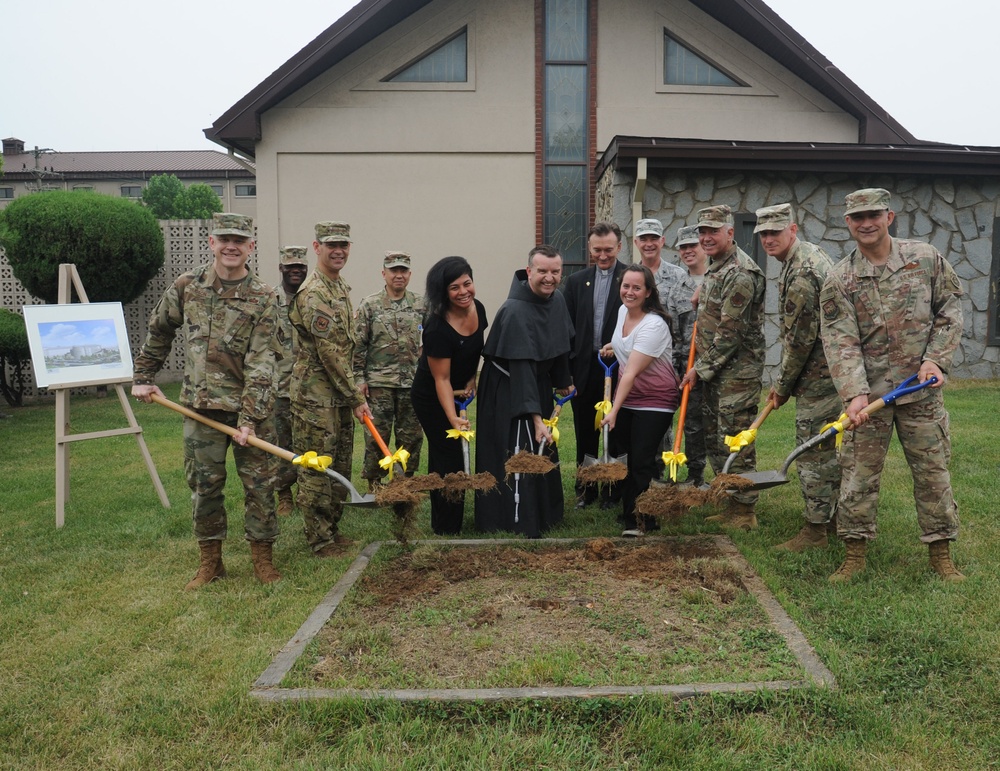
(715, 217)
(687, 235)
(292, 255)
(776, 217)
(333, 231)
(648, 227)
(229, 224)
(396, 260)
(869, 199)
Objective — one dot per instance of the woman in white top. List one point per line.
(647, 393)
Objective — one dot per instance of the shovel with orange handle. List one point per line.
(674, 459)
(394, 463)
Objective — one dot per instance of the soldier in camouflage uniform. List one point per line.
(322, 390)
(696, 261)
(803, 371)
(293, 266)
(227, 317)
(892, 307)
(730, 345)
(387, 346)
(676, 289)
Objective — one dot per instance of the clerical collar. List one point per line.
(606, 272)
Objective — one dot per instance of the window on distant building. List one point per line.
(6, 192)
(445, 63)
(131, 191)
(217, 189)
(246, 191)
(683, 67)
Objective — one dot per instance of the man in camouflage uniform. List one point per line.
(892, 307)
(696, 262)
(730, 345)
(293, 267)
(227, 317)
(322, 390)
(803, 371)
(387, 346)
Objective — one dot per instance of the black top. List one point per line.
(528, 326)
(442, 341)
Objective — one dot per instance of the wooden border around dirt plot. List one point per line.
(268, 685)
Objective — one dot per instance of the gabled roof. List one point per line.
(198, 163)
(239, 126)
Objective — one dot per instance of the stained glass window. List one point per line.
(448, 63)
(683, 67)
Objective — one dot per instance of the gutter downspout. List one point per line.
(638, 193)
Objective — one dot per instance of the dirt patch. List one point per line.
(528, 463)
(597, 613)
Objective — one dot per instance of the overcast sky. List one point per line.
(150, 75)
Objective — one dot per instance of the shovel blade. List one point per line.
(762, 480)
(589, 460)
(356, 499)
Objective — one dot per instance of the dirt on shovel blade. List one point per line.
(528, 463)
(456, 484)
(600, 473)
(723, 486)
(670, 501)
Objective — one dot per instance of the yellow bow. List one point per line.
(312, 460)
(551, 423)
(400, 457)
(674, 460)
(603, 410)
(454, 433)
(741, 440)
(838, 424)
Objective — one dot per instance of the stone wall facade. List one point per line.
(957, 215)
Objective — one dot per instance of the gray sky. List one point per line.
(150, 75)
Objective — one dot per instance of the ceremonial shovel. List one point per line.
(309, 459)
(602, 411)
(462, 402)
(395, 464)
(745, 438)
(554, 418)
(765, 479)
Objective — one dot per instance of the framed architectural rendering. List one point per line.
(78, 344)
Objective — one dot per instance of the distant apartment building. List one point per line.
(125, 173)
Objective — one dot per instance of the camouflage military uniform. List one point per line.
(879, 324)
(323, 396)
(804, 374)
(730, 359)
(228, 376)
(676, 288)
(387, 347)
(286, 473)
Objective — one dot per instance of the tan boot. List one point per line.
(285, 503)
(942, 564)
(738, 516)
(853, 564)
(260, 553)
(811, 536)
(211, 566)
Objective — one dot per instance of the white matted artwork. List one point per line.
(78, 344)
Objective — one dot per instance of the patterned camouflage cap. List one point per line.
(396, 260)
(687, 235)
(292, 255)
(774, 218)
(715, 217)
(869, 199)
(648, 227)
(333, 231)
(229, 224)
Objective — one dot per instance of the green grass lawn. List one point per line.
(106, 663)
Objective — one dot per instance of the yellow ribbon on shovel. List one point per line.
(741, 440)
(400, 456)
(551, 423)
(673, 461)
(454, 433)
(840, 424)
(603, 410)
(313, 461)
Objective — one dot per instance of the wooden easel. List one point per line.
(68, 280)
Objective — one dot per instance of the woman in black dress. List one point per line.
(452, 346)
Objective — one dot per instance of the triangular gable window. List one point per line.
(447, 63)
(683, 67)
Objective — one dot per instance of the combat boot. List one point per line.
(942, 564)
(853, 564)
(738, 516)
(211, 566)
(263, 569)
(811, 536)
(285, 503)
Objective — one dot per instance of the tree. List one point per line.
(117, 247)
(168, 199)
(14, 351)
